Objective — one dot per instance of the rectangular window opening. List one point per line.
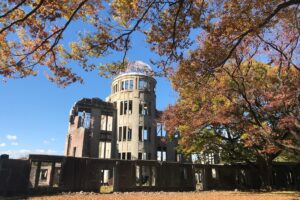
(145, 135)
(158, 155)
(105, 149)
(159, 129)
(45, 174)
(128, 156)
(56, 174)
(145, 109)
(84, 119)
(140, 156)
(121, 108)
(124, 133)
(106, 176)
(120, 133)
(106, 123)
(125, 107)
(214, 173)
(131, 84)
(153, 181)
(137, 175)
(140, 109)
(140, 133)
(122, 85)
(164, 154)
(130, 107)
(161, 154)
(129, 136)
(144, 156)
(143, 84)
(146, 176)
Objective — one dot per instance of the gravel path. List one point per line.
(178, 196)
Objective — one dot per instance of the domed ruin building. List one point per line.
(125, 126)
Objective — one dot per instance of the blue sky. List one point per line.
(34, 112)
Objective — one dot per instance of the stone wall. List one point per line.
(14, 176)
(89, 174)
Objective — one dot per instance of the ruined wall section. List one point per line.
(92, 129)
(75, 139)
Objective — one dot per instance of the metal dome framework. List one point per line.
(137, 67)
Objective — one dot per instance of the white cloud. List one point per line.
(50, 151)
(2, 144)
(50, 140)
(14, 144)
(11, 137)
(40, 151)
(24, 151)
(43, 151)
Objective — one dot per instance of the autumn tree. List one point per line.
(32, 33)
(247, 110)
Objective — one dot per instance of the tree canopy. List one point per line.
(243, 103)
(246, 111)
(32, 34)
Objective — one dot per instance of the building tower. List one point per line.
(133, 94)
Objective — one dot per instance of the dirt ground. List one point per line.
(178, 196)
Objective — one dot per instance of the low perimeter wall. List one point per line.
(45, 173)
